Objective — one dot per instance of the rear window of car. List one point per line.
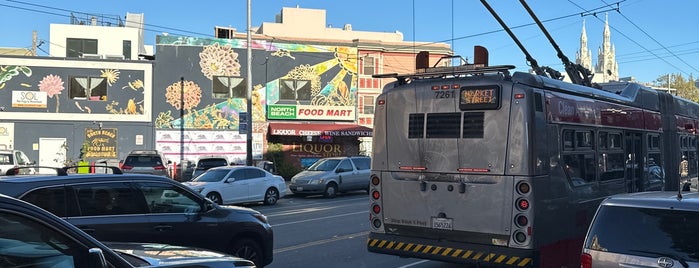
(143, 161)
(6, 159)
(211, 162)
(645, 232)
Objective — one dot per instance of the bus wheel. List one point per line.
(330, 190)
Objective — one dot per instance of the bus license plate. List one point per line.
(442, 223)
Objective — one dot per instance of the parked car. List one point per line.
(206, 162)
(15, 158)
(646, 229)
(328, 176)
(153, 254)
(33, 237)
(239, 184)
(146, 162)
(146, 208)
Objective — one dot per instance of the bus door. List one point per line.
(634, 162)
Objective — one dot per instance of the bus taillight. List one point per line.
(521, 220)
(523, 204)
(523, 187)
(376, 209)
(520, 237)
(375, 180)
(376, 195)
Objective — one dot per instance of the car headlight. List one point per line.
(316, 181)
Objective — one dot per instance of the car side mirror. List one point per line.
(339, 170)
(96, 258)
(229, 180)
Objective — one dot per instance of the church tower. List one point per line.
(584, 56)
(606, 68)
(606, 58)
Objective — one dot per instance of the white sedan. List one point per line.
(239, 184)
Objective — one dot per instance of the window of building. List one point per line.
(292, 91)
(77, 47)
(126, 49)
(369, 63)
(225, 87)
(368, 107)
(88, 88)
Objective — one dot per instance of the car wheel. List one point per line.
(330, 190)
(271, 196)
(248, 249)
(215, 197)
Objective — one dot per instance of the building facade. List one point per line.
(312, 91)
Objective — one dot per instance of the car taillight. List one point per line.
(125, 167)
(586, 261)
(159, 167)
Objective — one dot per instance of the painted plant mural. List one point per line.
(7, 72)
(52, 85)
(219, 60)
(329, 75)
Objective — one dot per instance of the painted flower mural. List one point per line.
(219, 60)
(52, 85)
(192, 95)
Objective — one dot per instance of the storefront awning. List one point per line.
(319, 129)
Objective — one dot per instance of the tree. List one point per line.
(686, 88)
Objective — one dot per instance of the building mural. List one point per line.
(55, 101)
(289, 82)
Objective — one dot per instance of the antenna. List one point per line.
(578, 74)
(532, 62)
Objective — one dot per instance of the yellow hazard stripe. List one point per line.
(456, 253)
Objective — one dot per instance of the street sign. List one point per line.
(243, 117)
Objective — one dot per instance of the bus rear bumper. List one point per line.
(489, 256)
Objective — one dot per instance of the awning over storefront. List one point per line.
(319, 129)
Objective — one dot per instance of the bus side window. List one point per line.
(580, 168)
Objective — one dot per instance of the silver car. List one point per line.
(331, 175)
(146, 162)
(647, 229)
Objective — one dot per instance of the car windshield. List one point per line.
(664, 232)
(324, 165)
(209, 163)
(212, 175)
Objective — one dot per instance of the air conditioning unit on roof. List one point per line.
(91, 56)
(114, 57)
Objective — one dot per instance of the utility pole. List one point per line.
(249, 92)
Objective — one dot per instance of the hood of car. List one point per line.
(173, 256)
(195, 183)
(310, 175)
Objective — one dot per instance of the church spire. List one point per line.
(606, 69)
(584, 56)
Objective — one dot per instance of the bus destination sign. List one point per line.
(479, 98)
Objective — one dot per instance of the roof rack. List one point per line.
(60, 171)
(431, 72)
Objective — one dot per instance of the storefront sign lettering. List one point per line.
(101, 143)
(316, 149)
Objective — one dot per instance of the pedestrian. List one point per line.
(684, 173)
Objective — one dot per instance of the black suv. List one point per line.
(146, 208)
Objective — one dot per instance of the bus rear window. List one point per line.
(479, 98)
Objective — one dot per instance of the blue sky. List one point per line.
(652, 38)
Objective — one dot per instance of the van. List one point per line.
(331, 175)
(646, 229)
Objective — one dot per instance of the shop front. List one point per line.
(304, 143)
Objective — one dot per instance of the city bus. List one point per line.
(480, 165)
